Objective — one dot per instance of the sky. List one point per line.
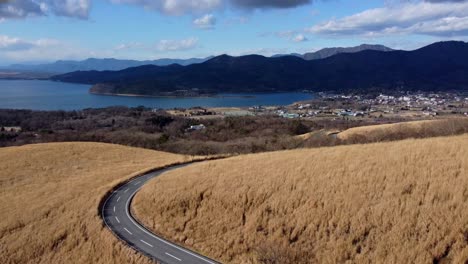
(38, 31)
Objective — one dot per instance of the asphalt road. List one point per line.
(116, 215)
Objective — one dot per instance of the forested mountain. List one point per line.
(437, 67)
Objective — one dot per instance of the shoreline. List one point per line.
(174, 96)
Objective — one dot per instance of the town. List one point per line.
(382, 108)
(364, 109)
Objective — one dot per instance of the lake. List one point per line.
(48, 95)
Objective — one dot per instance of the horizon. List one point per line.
(212, 56)
(44, 31)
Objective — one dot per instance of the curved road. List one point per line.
(116, 215)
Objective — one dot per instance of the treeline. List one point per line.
(142, 127)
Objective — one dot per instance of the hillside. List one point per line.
(50, 195)
(328, 52)
(438, 67)
(398, 202)
(404, 130)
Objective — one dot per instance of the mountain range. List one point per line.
(93, 64)
(328, 52)
(437, 67)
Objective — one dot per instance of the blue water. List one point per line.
(48, 95)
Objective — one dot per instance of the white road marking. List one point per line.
(126, 190)
(146, 243)
(128, 231)
(146, 231)
(173, 256)
(116, 218)
(114, 209)
(136, 183)
(127, 205)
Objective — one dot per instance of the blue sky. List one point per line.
(34, 31)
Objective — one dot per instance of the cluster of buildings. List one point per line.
(419, 99)
(401, 106)
(406, 105)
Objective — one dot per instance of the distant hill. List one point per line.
(328, 52)
(64, 66)
(437, 67)
(290, 54)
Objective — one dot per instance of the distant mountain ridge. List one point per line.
(111, 64)
(328, 52)
(438, 67)
(93, 64)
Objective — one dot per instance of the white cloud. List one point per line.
(20, 9)
(70, 8)
(127, 46)
(299, 38)
(448, 18)
(14, 44)
(175, 7)
(14, 49)
(179, 7)
(17, 49)
(291, 35)
(205, 22)
(177, 45)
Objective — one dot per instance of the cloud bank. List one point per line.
(18, 49)
(432, 17)
(174, 7)
(20, 9)
(178, 7)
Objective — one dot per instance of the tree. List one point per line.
(298, 128)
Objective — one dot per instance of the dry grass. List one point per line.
(49, 201)
(414, 129)
(396, 202)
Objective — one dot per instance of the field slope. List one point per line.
(404, 130)
(50, 195)
(396, 202)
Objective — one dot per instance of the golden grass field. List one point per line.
(50, 195)
(421, 129)
(395, 202)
